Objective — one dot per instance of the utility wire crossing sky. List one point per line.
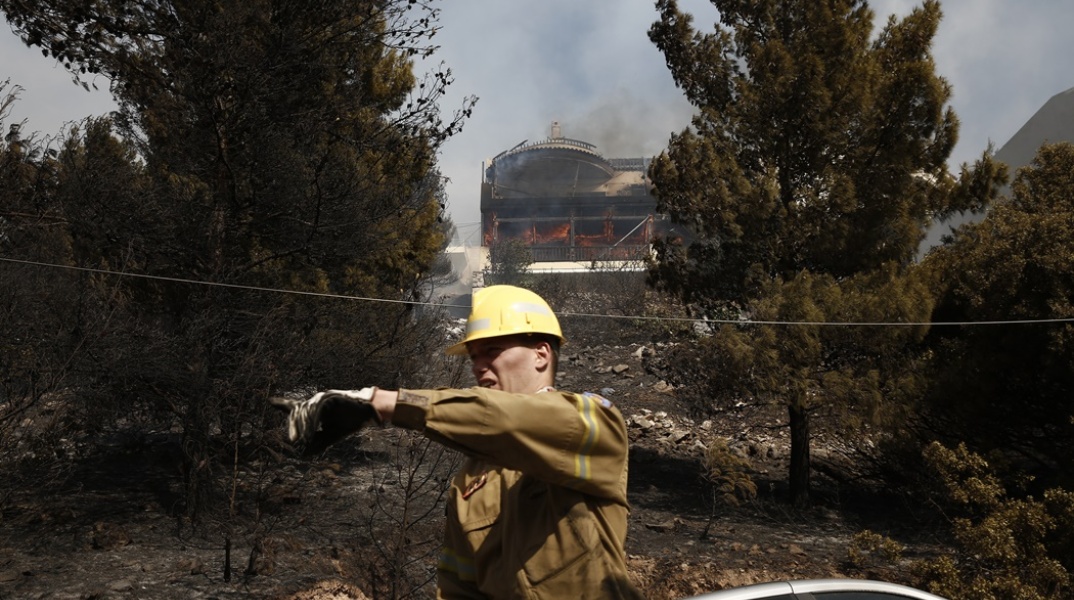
(45, 265)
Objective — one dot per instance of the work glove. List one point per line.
(327, 417)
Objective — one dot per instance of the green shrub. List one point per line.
(868, 548)
(1009, 548)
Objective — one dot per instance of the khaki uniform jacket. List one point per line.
(539, 508)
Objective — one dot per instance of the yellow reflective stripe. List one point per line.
(459, 565)
(582, 466)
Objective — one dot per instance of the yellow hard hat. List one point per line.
(507, 310)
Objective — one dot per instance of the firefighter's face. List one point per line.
(509, 363)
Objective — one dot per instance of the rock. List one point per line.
(663, 387)
(665, 526)
(642, 422)
(620, 368)
(121, 585)
(330, 590)
(109, 536)
(191, 566)
(702, 329)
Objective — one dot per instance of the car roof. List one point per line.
(807, 586)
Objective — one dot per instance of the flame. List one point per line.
(488, 235)
(605, 238)
(560, 234)
(555, 233)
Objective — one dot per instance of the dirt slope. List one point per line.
(112, 531)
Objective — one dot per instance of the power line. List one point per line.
(208, 283)
(829, 323)
(561, 314)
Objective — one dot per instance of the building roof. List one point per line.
(560, 167)
(1054, 122)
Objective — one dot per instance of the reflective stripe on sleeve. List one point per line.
(586, 406)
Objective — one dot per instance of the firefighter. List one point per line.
(539, 507)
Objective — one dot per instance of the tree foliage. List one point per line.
(1007, 387)
(1010, 547)
(509, 263)
(36, 306)
(263, 145)
(809, 175)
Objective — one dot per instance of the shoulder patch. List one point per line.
(475, 485)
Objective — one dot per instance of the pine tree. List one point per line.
(269, 145)
(1007, 388)
(809, 174)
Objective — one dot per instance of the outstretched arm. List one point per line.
(573, 440)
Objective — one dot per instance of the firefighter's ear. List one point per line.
(543, 355)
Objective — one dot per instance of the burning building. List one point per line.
(568, 203)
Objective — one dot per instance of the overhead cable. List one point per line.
(561, 314)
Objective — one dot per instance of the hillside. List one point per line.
(109, 528)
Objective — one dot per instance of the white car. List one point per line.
(822, 589)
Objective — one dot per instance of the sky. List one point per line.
(590, 66)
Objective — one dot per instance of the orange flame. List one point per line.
(555, 233)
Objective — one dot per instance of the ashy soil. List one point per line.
(320, 529)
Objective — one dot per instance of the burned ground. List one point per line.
(314, 529)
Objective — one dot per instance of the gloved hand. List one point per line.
(327, 417)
